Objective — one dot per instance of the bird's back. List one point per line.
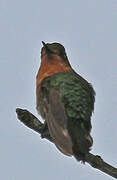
(66, 102)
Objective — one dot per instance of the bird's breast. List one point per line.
(48, 68)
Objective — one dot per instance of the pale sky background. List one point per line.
(88, 30)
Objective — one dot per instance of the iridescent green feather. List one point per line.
(77, 94)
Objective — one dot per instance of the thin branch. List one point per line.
(35, 124)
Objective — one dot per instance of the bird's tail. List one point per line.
(81, 149)
(82, 142)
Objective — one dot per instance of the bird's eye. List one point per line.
(55, 52)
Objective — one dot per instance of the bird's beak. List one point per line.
(46, 47)
(43, 43)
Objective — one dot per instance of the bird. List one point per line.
(65, 101)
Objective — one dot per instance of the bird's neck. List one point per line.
(51, 66)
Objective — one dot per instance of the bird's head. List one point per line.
(53, 60)
(54, 51)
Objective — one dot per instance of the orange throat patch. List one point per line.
(50, 66)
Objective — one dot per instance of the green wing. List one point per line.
(69, 100)
(76, 94)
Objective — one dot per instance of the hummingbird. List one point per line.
(65, 101)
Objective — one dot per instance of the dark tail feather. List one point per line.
(82, 141)
(79, 132)
(82, 147)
